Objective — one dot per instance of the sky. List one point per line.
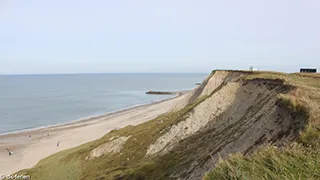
(103, 36)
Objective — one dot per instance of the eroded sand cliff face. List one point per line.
(197, 120)
(207, 87)
(238, 116)
(112, 147)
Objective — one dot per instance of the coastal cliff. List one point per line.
(240, 114)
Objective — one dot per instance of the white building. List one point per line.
(253, 68)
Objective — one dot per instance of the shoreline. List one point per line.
(89, 118)
(43, 141)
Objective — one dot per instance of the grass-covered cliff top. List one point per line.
(295, 160)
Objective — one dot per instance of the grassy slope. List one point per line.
(296, 160)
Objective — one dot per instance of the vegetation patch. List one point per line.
(293, 161)
(292, 104)
(54, 169)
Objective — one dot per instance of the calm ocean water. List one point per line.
(29, 101)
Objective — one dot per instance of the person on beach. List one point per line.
(58, 144)
(9, 152)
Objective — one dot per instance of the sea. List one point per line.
(32, 101)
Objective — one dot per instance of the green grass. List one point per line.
(311, 137)
(309, 80)
(54, 169)
(266, 75)
(294, 162)
(292, 104)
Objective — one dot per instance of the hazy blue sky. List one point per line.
(59, 36)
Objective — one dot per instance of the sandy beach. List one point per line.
(43, 142)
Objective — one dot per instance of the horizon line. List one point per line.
(22, 74)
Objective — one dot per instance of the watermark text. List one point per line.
(15, 176)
